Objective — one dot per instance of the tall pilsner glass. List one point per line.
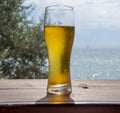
(59, 36)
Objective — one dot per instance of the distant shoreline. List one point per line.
(92, 47)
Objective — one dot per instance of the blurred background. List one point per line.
(96, 49)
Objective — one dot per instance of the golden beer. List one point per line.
(59, 41)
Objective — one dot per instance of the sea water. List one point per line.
(95, 63)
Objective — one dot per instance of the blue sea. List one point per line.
(95, 63)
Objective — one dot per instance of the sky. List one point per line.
(97, 22)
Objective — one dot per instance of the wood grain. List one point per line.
(29, 96)
(83, 91)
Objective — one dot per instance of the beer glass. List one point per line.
(59, 36)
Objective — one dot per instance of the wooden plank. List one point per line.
(22, 92)
(29, 96)
(61, 109)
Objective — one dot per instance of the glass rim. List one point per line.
(59, 7)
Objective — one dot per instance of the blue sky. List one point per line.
(97, 22)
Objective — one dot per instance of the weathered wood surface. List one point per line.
(29, 96)
(83, 92)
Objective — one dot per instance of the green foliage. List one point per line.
(22, 45)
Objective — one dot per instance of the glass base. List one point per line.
(59, 89)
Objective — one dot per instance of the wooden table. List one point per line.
(88, 96)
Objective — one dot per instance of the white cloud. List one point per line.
(88, 13)
(35, 2)
(101, 13)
